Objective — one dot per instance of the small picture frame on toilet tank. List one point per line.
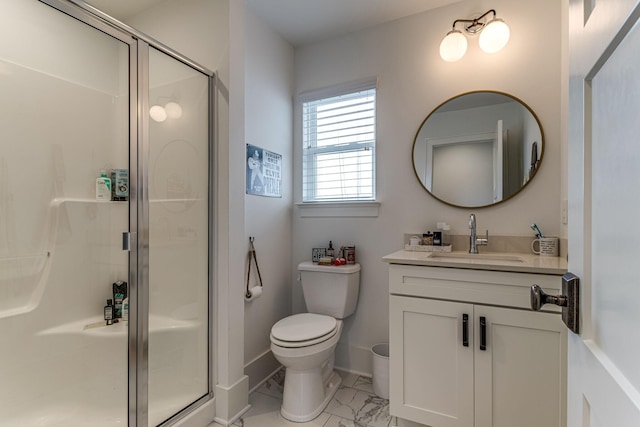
(317, 253)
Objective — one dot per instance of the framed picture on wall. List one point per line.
(263, 172)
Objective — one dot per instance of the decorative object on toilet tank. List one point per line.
(317, 253)
(350, 254)
(494, 35)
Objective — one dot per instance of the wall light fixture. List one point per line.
(494, 35)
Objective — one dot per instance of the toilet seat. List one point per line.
(302, 330)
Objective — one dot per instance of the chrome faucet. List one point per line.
(474, 242)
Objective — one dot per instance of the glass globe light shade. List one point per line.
(158, 113)
(453, 46)
(494, 36)
(173, 109)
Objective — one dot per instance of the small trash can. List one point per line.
(380, 381)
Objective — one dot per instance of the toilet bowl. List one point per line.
(309, 382)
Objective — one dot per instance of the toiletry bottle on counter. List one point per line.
(437, 238)
(330, 250)
(446, 238)
(103, 187)
(427, 238)
(108, 312)
(445, 229)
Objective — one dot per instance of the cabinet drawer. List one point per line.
(476, 286)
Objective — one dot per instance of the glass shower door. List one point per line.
(64, 118)
(178, 236)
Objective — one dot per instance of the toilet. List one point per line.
(305, 343)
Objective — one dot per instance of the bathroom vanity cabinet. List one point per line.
(466, 349)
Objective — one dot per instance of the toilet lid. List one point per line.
(303, 327)
(300, 344)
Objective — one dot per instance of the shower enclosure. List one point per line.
(76, 91)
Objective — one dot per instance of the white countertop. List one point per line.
(497, 261)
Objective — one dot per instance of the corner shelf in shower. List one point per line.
(89, 327)
(62, 200)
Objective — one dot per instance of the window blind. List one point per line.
(339, 136)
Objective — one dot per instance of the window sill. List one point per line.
(338, 209)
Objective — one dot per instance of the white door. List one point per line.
(604, 212)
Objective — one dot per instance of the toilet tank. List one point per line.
(330, 290)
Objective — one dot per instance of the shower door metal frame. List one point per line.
(138, 336)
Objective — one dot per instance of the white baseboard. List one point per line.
(257, 386)
(232, 402)
(355, 359)
(261, 369)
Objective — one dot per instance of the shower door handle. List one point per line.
(126, 240)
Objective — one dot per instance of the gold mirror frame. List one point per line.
(504, 199)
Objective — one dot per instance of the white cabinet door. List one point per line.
(431, 370)
(519, 376)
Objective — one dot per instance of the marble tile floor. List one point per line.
(354, 405)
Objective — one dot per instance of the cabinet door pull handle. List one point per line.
(483, 333)
(465, 330)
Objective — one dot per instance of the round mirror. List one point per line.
(478, 149)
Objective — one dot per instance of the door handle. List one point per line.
(465, 330)
(569, 300)
(483, 333)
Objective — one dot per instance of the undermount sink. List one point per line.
(467, 257)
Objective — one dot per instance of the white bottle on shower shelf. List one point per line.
(125, 310)
(103, 187)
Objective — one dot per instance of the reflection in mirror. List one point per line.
(478, 149)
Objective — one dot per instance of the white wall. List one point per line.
(413, 80)
(268, 124)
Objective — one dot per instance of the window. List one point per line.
(339, 139)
